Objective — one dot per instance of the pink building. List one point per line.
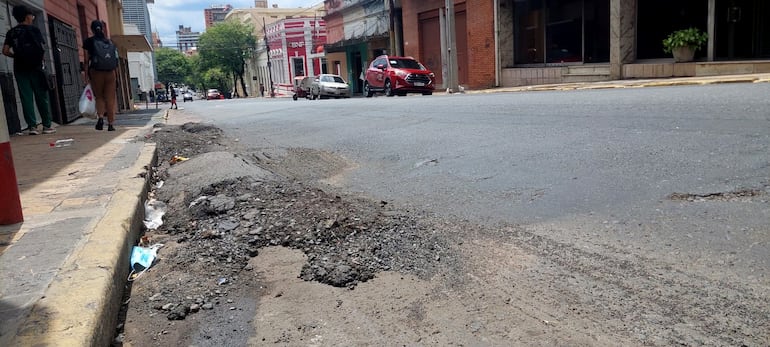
(296, 48)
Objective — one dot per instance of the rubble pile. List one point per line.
(219, 222)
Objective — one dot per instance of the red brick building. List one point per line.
(517, 42)
(215, 14)
(422, 33)
(69, 22)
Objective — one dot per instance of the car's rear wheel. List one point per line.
(368, 90)
(388, 89)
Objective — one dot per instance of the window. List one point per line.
(561, 31)
(330, 78)
(299, 66)
(380, 61)
(406, 64)
(658, 18)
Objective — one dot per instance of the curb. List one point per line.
(81, 304)
(624, 84)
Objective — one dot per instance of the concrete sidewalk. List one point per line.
(636, 83)
(64, 268)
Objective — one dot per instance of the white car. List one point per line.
(329, 86)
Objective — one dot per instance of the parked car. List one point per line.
(187, 96)
(212, 94)
(398, 76)
(302, 87)
(328, 85)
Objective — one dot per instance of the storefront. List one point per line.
(561, 32)
(296, 48)
(357, 32)
(556, 41)
(740, 27)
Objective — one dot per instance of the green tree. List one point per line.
(216, 78)
(227, 45)
(172, 65)
(195, 79)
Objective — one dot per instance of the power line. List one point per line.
(300, 10)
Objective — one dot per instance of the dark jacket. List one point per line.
(18, 36)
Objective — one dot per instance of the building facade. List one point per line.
(136, 12)
(141, 67)
(65, 24)
(187, 40)
(156, 41)
(216, 14)
(257, 72)
(425, 37)
(524, 42)
(358, 31)
(296, 48)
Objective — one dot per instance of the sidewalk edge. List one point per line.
(81, 304)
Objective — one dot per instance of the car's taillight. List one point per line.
(432, 75)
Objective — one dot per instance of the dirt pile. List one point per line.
(225, 208)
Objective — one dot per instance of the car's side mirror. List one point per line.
(381, 66)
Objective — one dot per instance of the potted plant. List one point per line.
(683, 43)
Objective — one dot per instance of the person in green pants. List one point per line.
(24, 43)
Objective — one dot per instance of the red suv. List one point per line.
(398, 76)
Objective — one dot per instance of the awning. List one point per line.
(132, 43)
(340, 46)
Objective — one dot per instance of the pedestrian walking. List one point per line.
(102, 60)
(173, 99)
(24, 43)
(262, 90)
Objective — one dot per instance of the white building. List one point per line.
(187, 40)
(141, 66)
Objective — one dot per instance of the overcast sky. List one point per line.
(167, 15)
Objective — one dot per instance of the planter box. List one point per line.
(683, 54)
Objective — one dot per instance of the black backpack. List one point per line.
(27, 50)
(105, 55)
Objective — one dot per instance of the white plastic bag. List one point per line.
(153, 213)
(87, 105)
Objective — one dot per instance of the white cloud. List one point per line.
(167, 15)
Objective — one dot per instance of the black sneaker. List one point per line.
(99, 124)
(110, 127)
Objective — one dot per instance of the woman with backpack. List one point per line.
(102, 59)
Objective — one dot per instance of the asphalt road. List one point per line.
(679, 174)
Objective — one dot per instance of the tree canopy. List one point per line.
(227, 46)
(172, 65)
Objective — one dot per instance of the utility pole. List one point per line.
(392, 28)
(451, 79)
(269, 66)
